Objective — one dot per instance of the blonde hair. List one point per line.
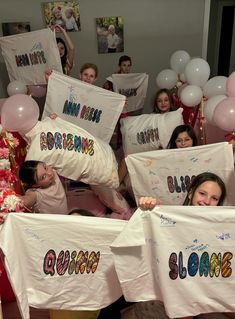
(111, 27)
(69, 9)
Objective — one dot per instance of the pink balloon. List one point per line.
(230, 85)
(37, 90)
(19, 113)
(224, 114)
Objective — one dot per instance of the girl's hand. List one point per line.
(59, 28)
(232, 142)
(149, 202)
(53, 116)
(47, 74)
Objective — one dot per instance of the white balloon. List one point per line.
(16, 87)
(183, 77)
(178, 61)
(191, 95)
(180, 89)
(215, 86)
(197, 72)
(166, 79)
(210, 106)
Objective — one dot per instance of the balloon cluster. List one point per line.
(222, 108)
(192, 73)
(192, 78)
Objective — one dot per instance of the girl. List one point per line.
(206, 189)
(183, 136)
(88, 73)
(66, 50)
(163, 102)
(124, 67)
(44, 190)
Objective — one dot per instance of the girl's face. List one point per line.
(163, 103)
(125, 67)
(61, 49)
(183, 140)
(88, 76)
(57, 14)
(68, 13)
(44, 176)
(207, 194)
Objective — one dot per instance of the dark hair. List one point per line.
(180, 129)
(64, 57)
(155, 106)
(28, 173)
(200, 179)
(89, 66)
(80, 211)
(124, 58)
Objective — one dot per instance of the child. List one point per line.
(183, 136)
(70, 21)
(206, 189)
(124, 67)
(57, 18)
(112, 39)
(66, 50)
(88, 73)
(163, 102)
(44, 190)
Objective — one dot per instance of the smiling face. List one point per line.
(163, 103)
(88, 75)
(183, 140)
(57, 13)
(207, 194)
(45, 176)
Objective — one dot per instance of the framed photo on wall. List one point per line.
(11, 28)
(63, 13)
(109, 32)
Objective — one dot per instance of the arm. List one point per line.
(69, 43)
(29, 199)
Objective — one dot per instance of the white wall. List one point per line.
(153, 30)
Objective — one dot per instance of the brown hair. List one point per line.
(199, 180)
(89, 66)
(168, 93)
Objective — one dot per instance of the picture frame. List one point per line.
(63, 13)
(110, 38)
(12, 28)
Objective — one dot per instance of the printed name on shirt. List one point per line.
(66, 141)
(181, 186)
(128, 92)
(86, 112)
(26, 59)
(73, 262)
(148, 136)
(204, 265)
